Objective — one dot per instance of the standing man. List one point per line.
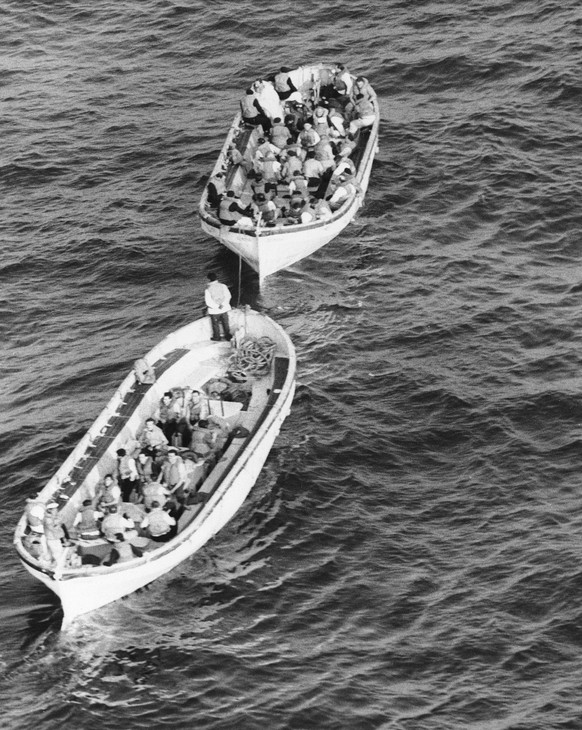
(217, 298)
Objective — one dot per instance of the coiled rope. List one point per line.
(253, 356)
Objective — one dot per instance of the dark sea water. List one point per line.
(410, 558)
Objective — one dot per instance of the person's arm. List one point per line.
(208, 300)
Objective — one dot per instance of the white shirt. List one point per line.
(217, 298)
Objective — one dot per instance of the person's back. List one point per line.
(280, 135)
(312, 168)
(155, 492)
(324, 153)
(271, 169)
(308, 137)
(292, 165)
(113, 523)
(86, 521)
(158, 522)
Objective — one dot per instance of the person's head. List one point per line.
(112, 509)
(195, 396)
(211, 276)
(167, 397)
(149, 424)
(108, 480)
(121, 452)
(172, 455)
(307, 126)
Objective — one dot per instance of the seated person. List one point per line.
(158, 524)
(155, 492)
(165, 415)
(299, 184)
(173, 473)
(280, 134)
(35, 512)
(215, 189)
(312, 170)
(202, 439)
(292, 165)
(220, 429)
(320, 123)
(108, 493)
(251, 110)
(362, 86)
(363, 114)
(231, 211)
(283, 84)
(87, 521)
(114, 523)
(294, 211)
(35, 544)
(308, 137)
(145, 469)
(266, 209)
(144, 373)
(347, 187)
(195, 408)
(152, 439)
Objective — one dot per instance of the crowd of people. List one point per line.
(301, 169)
(156, 478)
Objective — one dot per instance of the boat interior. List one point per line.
(239, 169)
(239, 400)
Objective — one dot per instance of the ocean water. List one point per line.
(410, 558)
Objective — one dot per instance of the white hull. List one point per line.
(85, 589)
(268, 250)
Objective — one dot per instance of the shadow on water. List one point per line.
(43, 625)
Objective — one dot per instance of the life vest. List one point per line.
(224, 213)
(124, 551)
(282, 82)
(125, 470)
(173, 473)
(364, 107)
(88, 528)
(158, 524)
(247, 106)
(112, 524)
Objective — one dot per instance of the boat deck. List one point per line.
(111, 430)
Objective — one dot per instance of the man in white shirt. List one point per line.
(217, 298)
